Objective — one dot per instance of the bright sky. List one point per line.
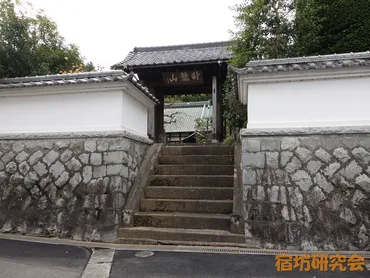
(106, 30)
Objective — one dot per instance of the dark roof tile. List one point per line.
(161, 55)
(75, 78)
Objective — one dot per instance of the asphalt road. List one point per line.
(19, 259)
(166, 264)
(28, 260)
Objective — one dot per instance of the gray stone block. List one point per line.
(22, 156)
(74, 165)
(87, 174)
(57, 169)
(362, 155)
(84, 158)
(341, 154)
(62, 180)
(35, 157)
(30, 179)
(260, 196)
(323, 155)
(285, 213)
(118, 157)
(99, 171)
(293, 165)
(66, 155)
(331, 169)
(51, 157)
(8, 157)
(18, 146)
(331, 142)
(274, 194)
(115, 145)
(364, 182)
(62, 144)
(254, 160)
(90, 146)
(314, 166)
(11, 167)
(285, 157)
(358, 197)
(321, 181)
(352, 170)
(251, 145)
(75, 180)
(348, 216)
(350, 141)
(289, 143)
(270, 144)
(315, 196)
(40, 168)
(302, 179)
(3, 176)
(303, 154)
(311, 142)
(96, 159)
(272, 160)
(114, 169)
(126, 175)
(102, 145)
(283, 196)
(249, 177)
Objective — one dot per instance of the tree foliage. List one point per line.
(235, 113)
(344, 26)
(30, 43)
(203, 130)
(264, 30)
(187, 98)
(271, 29)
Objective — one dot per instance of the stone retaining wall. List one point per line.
(69, 186)
(307, 189)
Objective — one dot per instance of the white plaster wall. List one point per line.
(335, 102)
(134, 115)
(105, 110)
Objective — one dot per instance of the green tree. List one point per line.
(187, 98)
(264, 30)
(345, 26)
(30, 43)
(203, 129)
(307, 26)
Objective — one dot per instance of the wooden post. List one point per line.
(214, 107)
(158, 117)
(151, 130)
(219, 127)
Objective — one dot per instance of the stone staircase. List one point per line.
(189, 199)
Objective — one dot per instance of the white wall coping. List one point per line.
(305, 131)
(76, 135)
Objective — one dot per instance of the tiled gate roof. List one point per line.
(187, 53)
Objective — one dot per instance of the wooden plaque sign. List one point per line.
(183, 78)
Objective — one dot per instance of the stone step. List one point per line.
(186, 192)
(197, 159)
(183, 220)
(146, 241)
(192, 180)
(195, 206)
(194, 170)
(173, 234)
(198, 150)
